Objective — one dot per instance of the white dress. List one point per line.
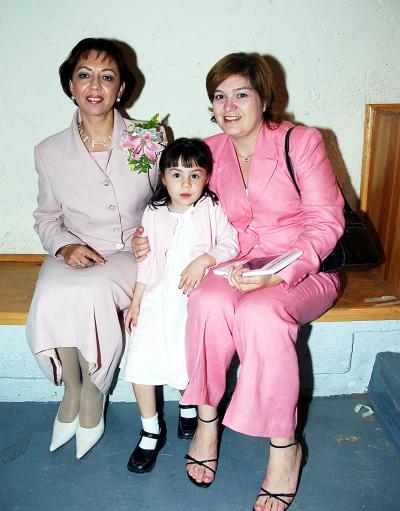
(155, 352)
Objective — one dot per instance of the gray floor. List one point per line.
(352, 465)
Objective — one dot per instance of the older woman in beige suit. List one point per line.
(89, 204)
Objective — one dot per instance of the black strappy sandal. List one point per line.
(281, 496)
(277, 496)
(201, 463)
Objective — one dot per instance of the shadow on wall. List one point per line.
(281, 92)
(331, 144)
(131, 61)
(339, 167)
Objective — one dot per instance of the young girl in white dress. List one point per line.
(188, 233)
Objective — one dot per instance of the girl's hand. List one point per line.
(132, 317)
(80, 256)
(248, 284)
(140, 244)
(193, 274)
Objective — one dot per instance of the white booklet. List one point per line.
(264, 265)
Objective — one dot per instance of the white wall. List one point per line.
(337, 56)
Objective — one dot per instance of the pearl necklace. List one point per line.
(90, 141)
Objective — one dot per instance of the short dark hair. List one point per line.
(189, 152)
(101, 46)
(255, 69)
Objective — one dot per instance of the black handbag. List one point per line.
(356, 249)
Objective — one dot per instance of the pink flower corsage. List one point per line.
(143, 145)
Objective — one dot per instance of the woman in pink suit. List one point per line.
(89, 204)
(259, 317)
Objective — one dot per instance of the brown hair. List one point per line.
(256, 70)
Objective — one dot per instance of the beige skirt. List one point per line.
(81, 308)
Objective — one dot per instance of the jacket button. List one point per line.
(116, 229)
(106, 182)
(119, 246)
(111, 207)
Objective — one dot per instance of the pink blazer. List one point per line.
(272, 218)
(78, 202)
(214, 236)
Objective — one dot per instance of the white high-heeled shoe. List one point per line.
(86, 438)
(63, 432)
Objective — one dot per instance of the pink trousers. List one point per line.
(262, 326)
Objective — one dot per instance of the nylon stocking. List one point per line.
(71, 377)
(91, 406)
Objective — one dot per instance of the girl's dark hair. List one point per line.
(188, 152)
(100, 46)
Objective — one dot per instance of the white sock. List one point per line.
(151, 426)
(188, 413)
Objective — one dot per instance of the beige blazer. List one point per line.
(78, 202)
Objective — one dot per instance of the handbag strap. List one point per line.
(347, 208)
(288, 160)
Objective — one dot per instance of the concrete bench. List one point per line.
(336, 352)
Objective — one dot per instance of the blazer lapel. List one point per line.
(230, 179)
(74, 148)
(117, 152)
(263, 163)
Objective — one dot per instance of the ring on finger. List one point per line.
(78, 264)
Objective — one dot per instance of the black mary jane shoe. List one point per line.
(144, 460)
(186, 426)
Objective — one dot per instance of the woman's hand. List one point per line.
(194, 272)
(132, 317)
(248, 284)
(80, 256)
(140, 244)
